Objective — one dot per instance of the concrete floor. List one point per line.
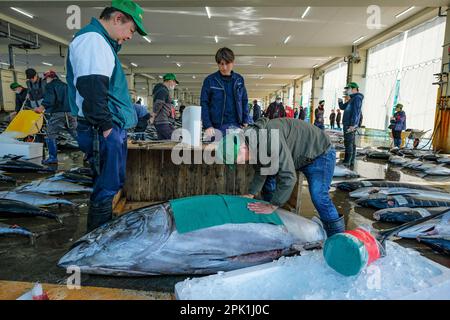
(19, 261)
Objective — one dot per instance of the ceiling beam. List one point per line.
(231, 3)
(241, 70)
(248, 81)
(258, 51)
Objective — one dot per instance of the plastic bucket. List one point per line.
(350, 252)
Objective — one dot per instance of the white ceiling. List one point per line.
(237, 27)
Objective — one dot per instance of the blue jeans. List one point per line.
(319, 175)
(113, 160)
(269, 188)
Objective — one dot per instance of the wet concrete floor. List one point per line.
(20, 261)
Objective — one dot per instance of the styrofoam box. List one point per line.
(29, 150)
(406, 275)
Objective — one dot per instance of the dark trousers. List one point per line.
(332, 125)
(141, 127)
(338, 125)
(113, 157)
(397, 135)
(350, 146)
(165, 131)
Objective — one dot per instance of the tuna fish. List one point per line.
(405, 214)
(423, 194)
(341, 171)
(438, 243)
(7, 230)
(376, 154)
(13, 208)
(398, 160)
(15, 164)
(34, 199)
(356, 184)
(146, 242)
(438, 171)
(5, 178)
(81, 171)
(443, 160)
(73, 178)
(381, 201)
(53, 187)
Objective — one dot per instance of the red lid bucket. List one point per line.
(369, 242)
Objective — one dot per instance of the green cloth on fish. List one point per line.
(199, 212)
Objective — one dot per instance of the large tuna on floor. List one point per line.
(147, 242)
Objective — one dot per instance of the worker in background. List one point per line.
(351, 120)
(319, 120)
(332, 119)
(36, 88)
(99, 95)
(398, 124)
(21, 96)
(143, 117)
(338, 118)
(181, 110)
(302, 147)
(256, 111)
(296, 113)
(224, 99)
(57, 112)
(302, 113)
(276, 109)
(163, 108)
(139, 101)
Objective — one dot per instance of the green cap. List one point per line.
(228, 148)
(170, 76)
(134, 10)
(14, 86)
(278, 98)
(399, 105)
(352, 85)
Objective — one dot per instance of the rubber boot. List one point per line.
(99, 213)
(334, 226)
(52, 152)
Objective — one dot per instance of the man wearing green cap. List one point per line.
(398, 124)
(99, 96)
(21, 95)
(351, 121)
(163, 109)
(286, 146)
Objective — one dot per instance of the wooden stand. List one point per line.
(152, 176)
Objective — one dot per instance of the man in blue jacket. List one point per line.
(351, 120)
(98, 94)
(224, 98)
(57, 111)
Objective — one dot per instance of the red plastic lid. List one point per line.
(369, 242)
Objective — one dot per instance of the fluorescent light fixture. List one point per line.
(306, 12)
(287, 39)
(404, 12)
(148, 39)
(260, 78)
(269, 65)
(47, 64)
(167, 56)
(274, 57)
(29, 15)
(134, 64)
(193, 77)
(178, 65)
(216, 38)
(62, 75)
(359, 39)
(315, 66)
(208, 12)
(160, 77)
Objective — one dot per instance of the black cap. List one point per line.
(30, 73)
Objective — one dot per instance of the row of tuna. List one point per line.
(399, 202)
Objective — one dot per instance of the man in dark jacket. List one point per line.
(295, 146)
(398, 124)
(36, 88)
(256, 111)
(302, 113)
(99, 95)
(57, 111)
(276, 109)
(338, 118)
(143, 117)
(352, 115)
(224, 99)
(163, 109)
(21, 96)
(332, 119)
(319, 120)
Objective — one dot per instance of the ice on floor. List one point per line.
(402, 274)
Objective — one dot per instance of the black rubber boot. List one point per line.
(334, 226)
(99, 214)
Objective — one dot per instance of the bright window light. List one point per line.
(306, 12)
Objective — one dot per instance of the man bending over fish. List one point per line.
(293, 145)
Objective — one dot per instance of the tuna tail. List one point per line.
(384, 235)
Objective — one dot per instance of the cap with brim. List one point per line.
(352, 85)
(14, 86)
(134, 10)
(170, 76)
(227, 149)
(399, 105)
